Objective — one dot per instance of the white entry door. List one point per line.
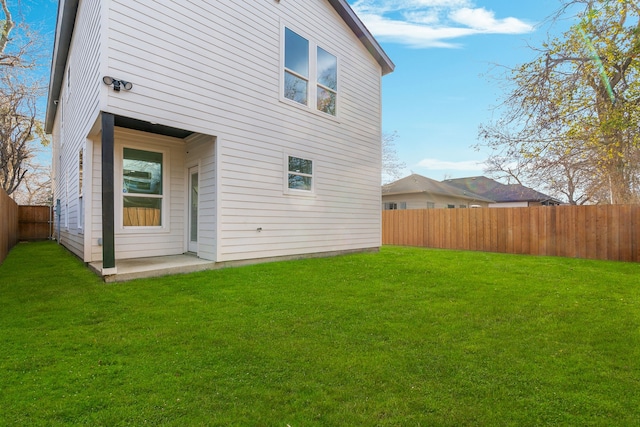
(193, 210)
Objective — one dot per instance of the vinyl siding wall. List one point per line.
(421, 200)
(78, 108)
(201, 154)
(218, 74)
(132, 242)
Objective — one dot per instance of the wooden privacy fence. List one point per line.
(35, 223)
(8, 224)
(608, 232)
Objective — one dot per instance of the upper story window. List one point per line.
(296, 67)
(310, 74)
(327, 67)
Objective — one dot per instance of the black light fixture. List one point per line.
(117, 84)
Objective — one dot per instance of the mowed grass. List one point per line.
(403, 337)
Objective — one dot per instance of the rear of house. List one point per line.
(233, 130)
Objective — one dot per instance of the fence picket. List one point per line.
(595, 232)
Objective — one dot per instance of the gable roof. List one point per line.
(415, 183)
(366, 38)
(499, 192)
(65, 23)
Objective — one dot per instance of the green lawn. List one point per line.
(405, 337)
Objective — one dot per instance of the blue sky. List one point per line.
(449, 55)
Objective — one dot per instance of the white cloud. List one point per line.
(432, 23)
(485, 21)
(439, 165)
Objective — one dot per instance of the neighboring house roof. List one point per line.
(415, 183)
(501, 193)
(67, 10)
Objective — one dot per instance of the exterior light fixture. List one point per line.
(117, 84)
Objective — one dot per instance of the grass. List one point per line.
(404, 337)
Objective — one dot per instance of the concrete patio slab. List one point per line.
(138, 268)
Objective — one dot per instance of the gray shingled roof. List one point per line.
(499, 192)
(421, 184)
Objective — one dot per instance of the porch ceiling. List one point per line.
(129, 123)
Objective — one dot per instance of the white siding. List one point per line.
(201, 154)
(509, 205)
(78, 108)
(219, 74)
(421, 200)
(135, 243)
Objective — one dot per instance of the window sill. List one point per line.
(300, 193)
(308, 109)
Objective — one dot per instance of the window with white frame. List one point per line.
(327, 83)
(61, 111)
(66, 199)
(80, 183)
(391, 206)
(299, 174)
(310, 74)
(142, 188)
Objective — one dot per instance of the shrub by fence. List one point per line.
(8, 224)
(608, 232)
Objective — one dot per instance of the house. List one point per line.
(503, 195)
(239, 131)
(419, 192)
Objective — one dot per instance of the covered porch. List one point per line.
(157, 188)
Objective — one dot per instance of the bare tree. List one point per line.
(392, 166)
(20, 129)
(571, 118)
(7, 26)
(37, 189)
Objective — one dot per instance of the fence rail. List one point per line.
(8, 224)
(608, 232)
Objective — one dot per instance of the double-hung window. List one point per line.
(142, 192)
(327, 82)
(299, 175)
(296, 68)
(310, 74)
(80, 189)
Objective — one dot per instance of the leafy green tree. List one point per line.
(571, 119)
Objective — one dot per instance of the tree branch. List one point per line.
(6, 28)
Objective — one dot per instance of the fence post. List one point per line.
(596, 232)
(8, 224)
